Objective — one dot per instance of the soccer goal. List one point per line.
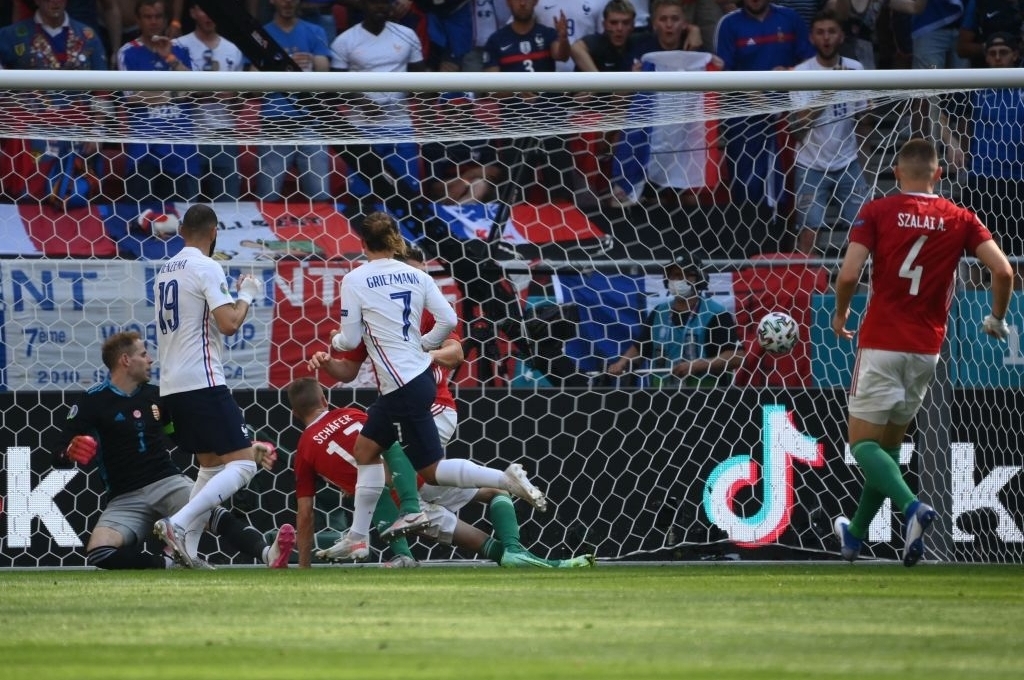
(548, 207)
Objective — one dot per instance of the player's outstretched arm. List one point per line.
(304, 531)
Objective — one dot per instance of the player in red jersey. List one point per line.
(325, 451)
(915, 239)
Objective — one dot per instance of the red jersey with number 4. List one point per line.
(441, 375)
(916, 242)
(325, 450)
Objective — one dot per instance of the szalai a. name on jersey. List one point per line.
(391, 279)
(914, 221)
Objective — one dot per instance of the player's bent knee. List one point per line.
(246, 469)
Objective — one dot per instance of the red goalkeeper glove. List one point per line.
(82, 449)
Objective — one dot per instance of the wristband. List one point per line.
(246, 298)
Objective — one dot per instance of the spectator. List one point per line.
(758, 37)
(860, 26)
(209, 51)
(524, 46)
(307, 44)
(320, 13)
(983, 19)
(934, 30)
(379, 45)
(464, 171)
(805, 8)
(50, 39)
(827, 162)
(688, 340)
(612, 49)
(995, 177)
(161, 171)
(706, 14)
(450, 25)
(582, 19)
(655, 155)
(489, 16)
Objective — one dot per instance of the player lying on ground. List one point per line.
(324, 450)
(120, 426)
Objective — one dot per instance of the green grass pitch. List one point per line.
(613, 622)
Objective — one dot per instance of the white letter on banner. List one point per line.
(25, 503)
(968, 497)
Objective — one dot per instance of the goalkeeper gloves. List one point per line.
(997, 328)
(82, 449)
(249, 289)
(265, 454)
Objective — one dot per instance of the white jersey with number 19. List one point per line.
(187, 288)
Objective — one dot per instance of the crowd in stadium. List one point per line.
(789, 180)
(816, 155)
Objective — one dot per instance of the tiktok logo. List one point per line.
(783, 444)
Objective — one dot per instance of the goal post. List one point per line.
(549, 223)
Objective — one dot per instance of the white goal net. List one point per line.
(549, 206)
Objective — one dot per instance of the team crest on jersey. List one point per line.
(539, 39)
(73, 412)
(156, 411)
(524, 46)
(224, 288)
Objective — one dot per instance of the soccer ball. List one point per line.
(165, 225)
(777, 332)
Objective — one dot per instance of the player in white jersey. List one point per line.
(382, 303)
(194, 313)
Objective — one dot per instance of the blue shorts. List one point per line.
(207, 421)
(409, 406)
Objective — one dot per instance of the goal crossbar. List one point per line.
(636, 81)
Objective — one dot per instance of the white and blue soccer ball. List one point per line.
(777, 332)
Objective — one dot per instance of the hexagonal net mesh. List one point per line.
(551, 219)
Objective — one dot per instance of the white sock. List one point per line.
(217, 489)
(204, 475)
(193, 533)
(465, 474)
(369, 485)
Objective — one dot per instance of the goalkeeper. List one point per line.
(119, 425)
(324, 450)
